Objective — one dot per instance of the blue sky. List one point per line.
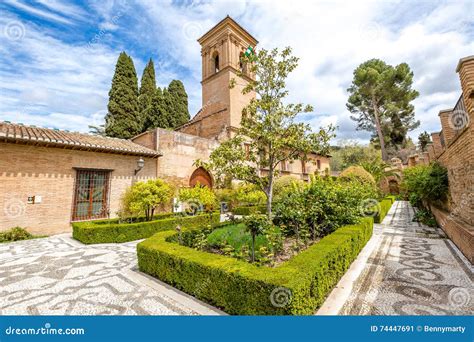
(57, 57)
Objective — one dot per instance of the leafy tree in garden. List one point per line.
(122, 119)
(199, 197)
(256, 225)
(147, 92)
(269, 133)
(380, 97)
(423, 140)
(350, 153)
(146, 197)
(179, 104)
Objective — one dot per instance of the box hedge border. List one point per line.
(385, 205)
(245, 289)
(248, 210)
(112, 231)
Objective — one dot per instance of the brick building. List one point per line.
(49, 178)
(453, 147)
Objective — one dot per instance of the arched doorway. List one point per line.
(201, 176)
(393, 187)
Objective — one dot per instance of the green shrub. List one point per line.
(384, 205)
(323, 205)
(425, 217)
(357, 173)
(249, 210)
(91, 232)
(425, 183)
(286, 184)
(143, 198)
(15, 234)
(241, 288)
(200, 196)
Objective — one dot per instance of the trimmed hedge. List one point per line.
(260, 209)
(110, 231)
(385, 205)
(245, 289)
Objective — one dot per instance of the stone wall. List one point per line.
(453, 148)
(179, 153)
(49, 172)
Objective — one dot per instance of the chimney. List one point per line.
(446, 125)
(465, 69)
(436, 143)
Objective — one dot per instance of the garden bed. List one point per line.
(114, 231)
(295, 287)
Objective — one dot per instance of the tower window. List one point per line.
(216, 63)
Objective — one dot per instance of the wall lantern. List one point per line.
(140, 165)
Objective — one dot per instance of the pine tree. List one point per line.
(380, 97)
(178, 103)
(147, 92)
(121, 120)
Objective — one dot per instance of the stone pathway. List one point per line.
(60, 276)
(413, 270)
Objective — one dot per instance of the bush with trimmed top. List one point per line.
(113, 231)
(296, 287)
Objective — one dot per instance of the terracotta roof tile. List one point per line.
(19, 133)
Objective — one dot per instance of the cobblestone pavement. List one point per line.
(414, 270)
(60, 276)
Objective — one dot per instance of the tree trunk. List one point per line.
(378, 127)
(253, 247)
(270, 191)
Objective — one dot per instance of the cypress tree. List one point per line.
(146, 93)
(178, 99)
(121, 120)
(157, 116)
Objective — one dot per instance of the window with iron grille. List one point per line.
(91, 194)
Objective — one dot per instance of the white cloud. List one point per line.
(331, 39)
(38, 12)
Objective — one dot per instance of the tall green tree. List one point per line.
(423, 140)
(178, 99)
(269, 132)
(122, 119)
(146, 93)
(157, 116)
(380, 97)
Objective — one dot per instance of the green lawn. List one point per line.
(236, 236)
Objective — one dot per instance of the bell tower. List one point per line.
(221, 50)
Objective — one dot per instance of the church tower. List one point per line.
(221, 49)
